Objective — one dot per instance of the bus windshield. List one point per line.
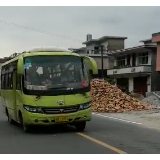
(54, 73)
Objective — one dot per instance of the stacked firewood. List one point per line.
(110, 99)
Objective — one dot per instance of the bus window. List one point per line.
(10, 81)
(18, 82)
(6, 81)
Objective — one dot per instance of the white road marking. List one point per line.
(119, 119)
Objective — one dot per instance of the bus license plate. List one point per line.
(61, 119)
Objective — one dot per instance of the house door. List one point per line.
(140, 85)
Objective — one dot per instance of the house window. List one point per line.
(96, 50)
(121, 61)
(143, 58)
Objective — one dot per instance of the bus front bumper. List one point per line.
(49, 119)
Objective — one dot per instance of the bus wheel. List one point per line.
(24, 126)
(80, 126)
(10, 120)
(8, 117)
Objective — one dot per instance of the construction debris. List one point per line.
(109, 98)
(153, 101)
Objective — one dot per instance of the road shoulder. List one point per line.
(149, 118)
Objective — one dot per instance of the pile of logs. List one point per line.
(110, 99)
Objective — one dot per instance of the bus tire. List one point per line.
(24, 126)
(80, 126)
(8, 117)
(11, 121)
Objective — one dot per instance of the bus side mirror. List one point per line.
(20, 67)
(92, 63)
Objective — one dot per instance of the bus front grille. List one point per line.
(60, 110)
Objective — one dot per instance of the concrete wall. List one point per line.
(111, 44)
(114, 44)
(106, 62)
(156, 39)
(155, 75)
(0, 74)
(131, 84)
(158, 57)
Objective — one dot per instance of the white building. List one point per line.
(134, 68)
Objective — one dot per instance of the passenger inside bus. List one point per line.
(47, 81)
(51, 75)
(32, 76)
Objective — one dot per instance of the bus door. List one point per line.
(12, 95)
(18, 93)
(9, 89)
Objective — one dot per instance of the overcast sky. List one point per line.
(136, 23)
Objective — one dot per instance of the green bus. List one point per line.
(47, 86)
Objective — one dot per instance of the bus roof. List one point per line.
(42, 51)
(49, 49)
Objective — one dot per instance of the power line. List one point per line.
(37, 30)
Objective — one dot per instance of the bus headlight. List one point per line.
(84, 106)
(33, 109)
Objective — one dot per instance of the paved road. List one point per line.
(102, 136)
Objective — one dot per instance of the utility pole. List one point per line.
(102, 49)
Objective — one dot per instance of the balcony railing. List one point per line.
(129, 69)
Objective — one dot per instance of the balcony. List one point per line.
(129, 70)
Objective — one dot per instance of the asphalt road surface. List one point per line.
(102, 136)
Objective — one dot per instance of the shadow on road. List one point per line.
(53, 129)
